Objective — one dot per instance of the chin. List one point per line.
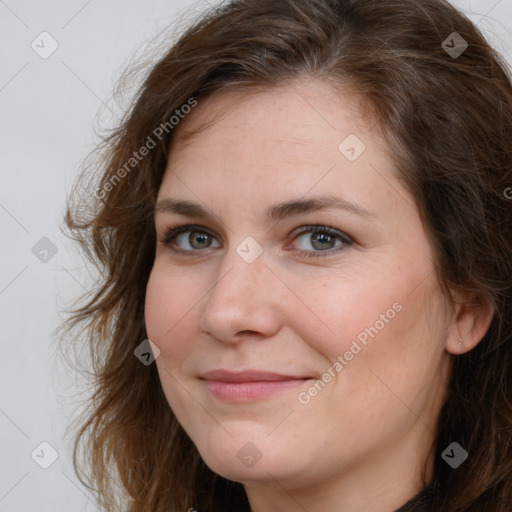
(247, 456)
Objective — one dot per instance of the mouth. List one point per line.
(249, 385)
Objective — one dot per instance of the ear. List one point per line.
(471, 320)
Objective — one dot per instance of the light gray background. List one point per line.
(48, 112)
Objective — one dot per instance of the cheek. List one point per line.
(170, 320)
(156, 305)
(372, 329)
(343, 310)
(168, 311)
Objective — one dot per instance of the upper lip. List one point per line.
(248, 376)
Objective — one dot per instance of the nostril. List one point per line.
(249, 333)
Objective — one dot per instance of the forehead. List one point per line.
(300, 124)
(269, 146)
(293, 110)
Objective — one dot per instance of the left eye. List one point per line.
(320, 239)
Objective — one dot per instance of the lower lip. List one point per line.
(249, 391)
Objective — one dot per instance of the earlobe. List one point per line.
(472, 319)
(461, 347)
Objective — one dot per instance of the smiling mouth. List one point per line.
(248, 385)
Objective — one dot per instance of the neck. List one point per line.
(381, 482)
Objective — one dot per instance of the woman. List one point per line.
(306, 212)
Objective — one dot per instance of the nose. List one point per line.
(244, 301)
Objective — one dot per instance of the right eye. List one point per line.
(189, 239)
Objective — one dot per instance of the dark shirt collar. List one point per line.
(424, 501)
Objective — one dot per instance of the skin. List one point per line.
(361, 442)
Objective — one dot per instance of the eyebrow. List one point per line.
(274, 213)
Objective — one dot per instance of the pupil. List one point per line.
(322, 241)
(198, 240)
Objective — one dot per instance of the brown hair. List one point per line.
(448, 123)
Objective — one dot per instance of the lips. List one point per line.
(248, 376)
(248, 385)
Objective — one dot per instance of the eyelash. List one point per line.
(172, 232)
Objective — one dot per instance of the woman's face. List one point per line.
(292, 357)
